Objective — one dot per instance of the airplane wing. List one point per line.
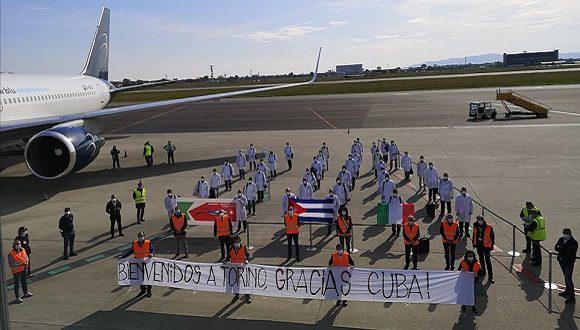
(140, 86)
(30, 123)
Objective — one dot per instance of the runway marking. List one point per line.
(520, 269)
(59, 270)
(147, 119)
(565, 113)
(95, 258)
(321, 118)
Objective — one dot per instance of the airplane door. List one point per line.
(101, 93)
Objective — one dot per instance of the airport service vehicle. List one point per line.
(52, 115)
(481, 110)
(525, 105)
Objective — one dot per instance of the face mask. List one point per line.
(430, 166)
(17, 247)
(344, 213)
(411, 223)
(566, 237)
(178, 212)
(304, 182)
(68, 212)
(339, 252)
(141, 239)
(445, 178)
(450, 220)
(23, 234)
(480, 223)
(395, 195)
(470, 258)
(237, 245)
(290, 212)
(114, 200)
(240, 195)
(463, 193)
(202, 180)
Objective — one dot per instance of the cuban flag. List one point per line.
(313, 210)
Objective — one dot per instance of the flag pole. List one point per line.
(311, 248)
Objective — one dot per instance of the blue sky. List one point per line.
(182, 38)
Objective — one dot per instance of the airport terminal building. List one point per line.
(529, 58)
(349, 69)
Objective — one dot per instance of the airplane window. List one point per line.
(4, 101)
(10, 100)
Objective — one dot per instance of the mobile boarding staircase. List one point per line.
(528, 107)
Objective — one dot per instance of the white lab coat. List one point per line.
(322, 159)
(358, 159)
(432, 178)
(241, 161)
(260, 180)
(318, 167)
(170, 203)
(227, 171)
(305, 191)
(325, 152)
(406, 163)
(288, 152)
(285, 199)
(377, 159)
(251, 191)
(345, 178)
(354, 149)
(335, 204)
(446, 190)
(262, 167)
(422, 169)
(341, 191)
(381, 177)
(360, 147)
(272, 158)
(386, 189)
(201, 189)
(252, 153)
(374, 149)
(241, 203)
(309, 177)
(464, 207)
(393, 150)
(215, 180)
(351, 166)
(384, 147)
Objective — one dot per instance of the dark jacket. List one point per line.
(114, 209)
(25, 243)
(115, 153)
(66, 225)
(567, 250)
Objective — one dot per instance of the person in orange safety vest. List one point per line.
(178, 224)
(292, 228)
(340, 258)
(449, 231)
(141, 248)
(18, 262)
(222, 229)
(411, 235)
(239, 255)
(470, 264)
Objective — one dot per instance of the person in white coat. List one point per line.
(432, 181)
(374, 149)
(395, 199)
(377, 163)
(322, 159)
(326, 152)
(358, 159)
(272, 159)
(262, 166)
(285, 203)
(201, 189)
(227, 174)
(385, 150)
(305, 190)
(422, 172)
(445, 193)
(355, 148)
(393, 155)
(351, 167)
(383, 174)
(386, 190)
(214, 184)
(170, 202)
(251, 193)
(310, 178)
(289, 154)
(360, 145)
(345, 177)
(252, 156)
(407, 165)
(261, 184)
(316, 169)
(241, 164)
(341, 191)
(463, 211)
(335, 208)
(241, 212)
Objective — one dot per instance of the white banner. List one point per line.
(381, 285)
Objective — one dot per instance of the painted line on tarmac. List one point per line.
(526, 273)
(566, 113)
(322, 118)
(147, 119)
(59, 270)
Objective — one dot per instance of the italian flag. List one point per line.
(394, 213)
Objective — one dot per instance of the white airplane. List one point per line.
(49, 113)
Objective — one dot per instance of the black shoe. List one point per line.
(287, 259)
(142, 220)
(65, 257)
(149, 294)
(406, 267)
(344, 303)
(415, 268)
(248, 299)
(142, 292)
(338, 302)
(446, 267)
(73, 254)
(462, 309)
(491, 280)
(452, 268)
(121, 234)
(112, 236)
(297, 259)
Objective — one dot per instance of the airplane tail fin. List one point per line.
(98, 61)
(316, 69)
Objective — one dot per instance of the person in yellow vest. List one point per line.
(537, 233)
(470, 264)
(411, 234)
(340, 258)
(148, 151)
(142, 248)
(18, 262)
(178, 225)
(222, 229)
(449, 234)
(139, 196)
(292, 227)
(344, 228)
(526, 218)
(238, 254)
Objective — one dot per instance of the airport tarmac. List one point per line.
(502, 164)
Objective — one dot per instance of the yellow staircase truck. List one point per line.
(533, 107)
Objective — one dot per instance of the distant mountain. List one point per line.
(480, 59)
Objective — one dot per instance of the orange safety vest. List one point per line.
(486, 237)
(291, 222)
(141, 252)
(223, 226)
(21, 259)
(343, 225)
(340, 260)
(178, 221)
(450, 231)
(238, 257)
(464, 266)
(411, 233)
